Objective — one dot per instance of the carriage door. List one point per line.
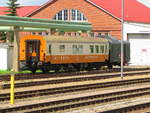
(33, 50)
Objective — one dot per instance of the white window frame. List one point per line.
(81, 18)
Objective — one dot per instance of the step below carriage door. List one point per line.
(33, 50)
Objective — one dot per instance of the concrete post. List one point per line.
(16, 50)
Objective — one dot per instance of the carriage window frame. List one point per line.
(61, 48)
(102, 48)
(50, 49)
(74, 49)
(80, 49)
(97, 49)
(91, 49)
(77, 49)
(106, 49)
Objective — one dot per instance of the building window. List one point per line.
(60, 15)
(92, 34)
(106, 34)
(68, 34)
(99, 34)
(46, 33)
(65, 14)
(72, 15)
(33, 33)
(76, 15)
(40, 33)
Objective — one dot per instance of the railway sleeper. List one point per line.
(83, 101)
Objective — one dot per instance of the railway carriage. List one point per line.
(65, 53)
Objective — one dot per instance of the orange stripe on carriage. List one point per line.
(63, 59)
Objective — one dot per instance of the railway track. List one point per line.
(133, 109)
(40, 75)
(74, 79)
(71, 89)
(65, 90)
(78, 102)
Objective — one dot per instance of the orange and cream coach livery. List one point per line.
(68, 53)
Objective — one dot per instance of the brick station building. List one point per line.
(80, 11)
(75, 10)
(104, 15)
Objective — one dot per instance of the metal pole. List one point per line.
(122, 31)
(12, 84)
(0, 86)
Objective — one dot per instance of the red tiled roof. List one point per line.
(22, 11)
(133, 10)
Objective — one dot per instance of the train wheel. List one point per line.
(110, 66)
(33, 67)
(33, 71)
(45, 70)
(78, 68)
(45, 67)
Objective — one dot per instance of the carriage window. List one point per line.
(61, 48)
(102, 49)
(106, 49)
(97, 48)
(40, 33)
(46, 33)
(32, 47)
(74, 49)
(77, 49)
(50, 49)
(91, 49)
(92, 34)
(80, 48)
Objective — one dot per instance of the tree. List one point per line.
(12, 11)
(12, 7)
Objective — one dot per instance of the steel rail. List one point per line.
(129, 108)
(27, 76)
(67, 80)
(63, 90)
(66, 104)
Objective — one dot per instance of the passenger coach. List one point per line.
(59, 52)
(71, 53)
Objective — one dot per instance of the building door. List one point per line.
(140, 49)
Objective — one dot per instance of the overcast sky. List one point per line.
(25, 2)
